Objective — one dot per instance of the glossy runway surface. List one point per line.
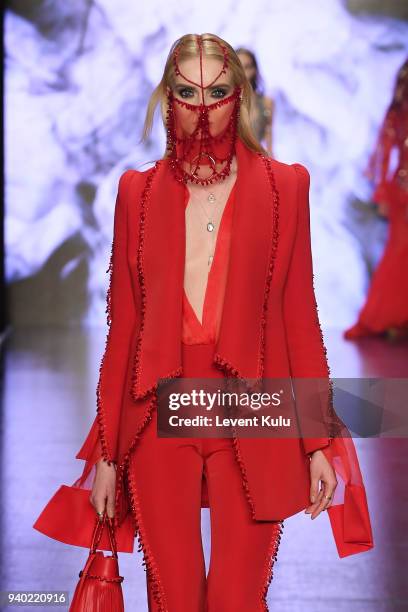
(49, 379)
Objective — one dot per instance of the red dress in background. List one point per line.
(386, 306)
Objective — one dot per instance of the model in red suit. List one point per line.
(386, 306)
(211, 277)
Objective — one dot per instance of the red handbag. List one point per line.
(99, 587)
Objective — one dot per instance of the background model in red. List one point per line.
(386, 307)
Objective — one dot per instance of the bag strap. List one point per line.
(97, 534)
(112, 538)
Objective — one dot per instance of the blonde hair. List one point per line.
(187, 47)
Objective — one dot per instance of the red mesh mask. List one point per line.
(201, 137)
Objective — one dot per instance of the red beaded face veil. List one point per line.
(201, 137)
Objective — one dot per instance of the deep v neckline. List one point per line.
(210, 287)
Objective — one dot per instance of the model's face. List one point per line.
(247, 64)
(211, 92)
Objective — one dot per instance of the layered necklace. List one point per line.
(212, 218)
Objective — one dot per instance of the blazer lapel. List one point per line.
(162, 255)
(240, 346)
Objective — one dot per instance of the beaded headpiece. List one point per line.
(201, 137)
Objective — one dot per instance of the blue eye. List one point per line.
(186, 92)
(219, 92)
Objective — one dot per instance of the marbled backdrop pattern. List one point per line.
(78, 77)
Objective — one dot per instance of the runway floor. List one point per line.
(48, 382)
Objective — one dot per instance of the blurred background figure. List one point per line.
(386, 307)
(262, 107)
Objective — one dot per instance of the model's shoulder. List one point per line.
(302, 172)
(295, 172)
(283, 167)
(131, 174)
(284, 170)
(132, 178)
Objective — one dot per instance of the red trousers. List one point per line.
(165, 479)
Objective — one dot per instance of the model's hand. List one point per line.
(320, 469)
(103, 490)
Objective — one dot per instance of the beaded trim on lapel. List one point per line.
(218, 359)
(137, 358)
(226, 366)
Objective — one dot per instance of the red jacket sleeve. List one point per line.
(121, 318)
(307, 353)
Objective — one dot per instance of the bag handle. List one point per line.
(97, 533)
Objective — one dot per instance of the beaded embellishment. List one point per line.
(225, 365)
(270, 562)
(144, 202)
(149, 563)
(100, 410)
(200, 147)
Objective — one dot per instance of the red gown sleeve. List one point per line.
(348, 513)
(69, 516)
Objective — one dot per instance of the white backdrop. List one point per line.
(78, 77)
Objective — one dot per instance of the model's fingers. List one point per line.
(314, 489)
(326, 497)
(331, 487)
(98, 503)
(313, 506)
(320, 506)
(103, 490)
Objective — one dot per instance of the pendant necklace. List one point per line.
(210, 223)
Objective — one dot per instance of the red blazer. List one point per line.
(269, 328)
